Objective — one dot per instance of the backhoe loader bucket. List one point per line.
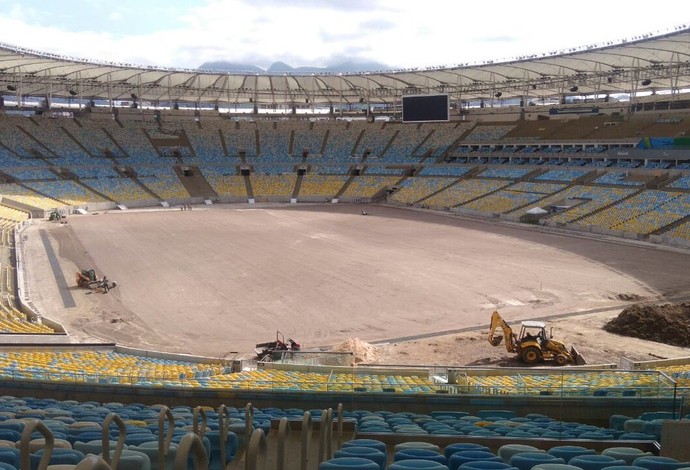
(496, 340)
(577, 357)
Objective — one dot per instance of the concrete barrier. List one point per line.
(24, 300)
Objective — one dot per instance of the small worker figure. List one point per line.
(104, 284)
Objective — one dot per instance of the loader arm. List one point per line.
(498, 322)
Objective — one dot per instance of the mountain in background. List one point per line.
(224, 66)
(281, 67)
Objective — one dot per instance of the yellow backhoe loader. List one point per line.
(532, 345)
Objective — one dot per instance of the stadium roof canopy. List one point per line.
(658, 62)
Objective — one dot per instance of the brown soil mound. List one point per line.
(667, 323)
(362, 351)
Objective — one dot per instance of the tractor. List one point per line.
(533, 345)
(87, 279)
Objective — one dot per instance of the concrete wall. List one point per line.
(24, 299)
(586, 410)
(647, 365)
(172, 356)
(93, 207)
(424, 372)
(34, 211)
(16, 339)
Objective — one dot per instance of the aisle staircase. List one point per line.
(194, 182)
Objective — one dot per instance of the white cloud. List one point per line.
(313, 32)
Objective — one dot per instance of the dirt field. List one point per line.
(420, 286)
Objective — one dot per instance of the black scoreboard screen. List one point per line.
(425, 108)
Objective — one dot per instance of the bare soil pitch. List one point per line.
(216, 281)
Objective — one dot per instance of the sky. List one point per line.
(398, 33)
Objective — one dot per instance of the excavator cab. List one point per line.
(532, 330)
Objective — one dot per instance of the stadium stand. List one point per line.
(464, 191)
(587, 172)
(487, 133)
(578, 201)
(131, 137)
(51, 141)
(163, 182)
(374, 142)
(643, 212)
(28, 197)
(341, 141)
(120, 190)
(309, 141)
(367, 187)
(206, 142)
(516, 196)
(273, 186)
(415, 189)
(406, 141)
(67, 192)
(321, 186)
(92, 138)
(225, 183)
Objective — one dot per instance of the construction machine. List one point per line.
(87, 278)
(533, 345)
(274, 350)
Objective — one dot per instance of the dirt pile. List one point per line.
(666, 323)
(361, 350)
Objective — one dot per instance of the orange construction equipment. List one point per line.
(87, 279)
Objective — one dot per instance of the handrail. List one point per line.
(307, 429)
(30, 426)
(325, 436)
(248, 422)
(198, 410)
(93, 462)
(106, 439)
(329, 434)
(164, 438)
(283, 434)
(341, 419)
(257, 450)
(190, 441)
(223, 422)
